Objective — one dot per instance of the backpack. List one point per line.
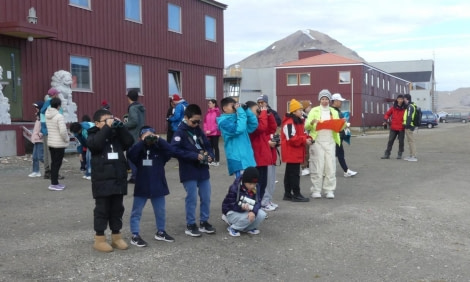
(418, 116)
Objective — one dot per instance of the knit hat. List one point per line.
(337, 96)
(52, 92)
(306, 104)
(105, 105)
(324, 93)
(250, 175)
(294, 105)
(263, 98)
(176, 98)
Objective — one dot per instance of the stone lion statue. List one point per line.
(4, 105)
(62, 81)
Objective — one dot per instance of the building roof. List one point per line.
(323, 59)
(421, 76)
(405, 66)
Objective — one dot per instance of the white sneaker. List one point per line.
(274, 205)
(35, 174)
(407, 158)
(349, 173)
(305, 171)
(316, 195)
(224, 218)
(86, 177)
(330, 195)
(268, 208)
(215, 163)
(412, 159)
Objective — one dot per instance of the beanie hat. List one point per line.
(263, 98)
(294, 105)
(250, 175)
(306, 104)
(176, 98)
(105, 105)
(324, 93)
(52, 92)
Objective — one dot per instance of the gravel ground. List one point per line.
(394, 221)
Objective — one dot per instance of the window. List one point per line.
(344, 77)
(378, 82)
(371, 80)
(396, 88)
(210, 86)
(210, 29)
(388, 85)
(174, 82)
(365, 107)
(81, 3)
(133, 10)
(80, 67)
(383, 108)
(383, 83)
(345, 106)
(134, 78)
(371, 107)
(292, 79)
(304, 79)
(234, 89)
(378, 108)
(366, 78)
(174, 18)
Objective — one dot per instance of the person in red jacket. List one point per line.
(260, 139)
(395, 115)
(293, 140)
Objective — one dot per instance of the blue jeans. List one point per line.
(38, 156)
(239, 220)
(88, 163)
(192, 191)
(158, 205)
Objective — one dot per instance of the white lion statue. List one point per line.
(61, 81)
(4, 105)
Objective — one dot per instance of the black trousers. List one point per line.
(57, 155)
(340, 156)
(263, 180)
(215, 146)
(391, 139)
(108, 210)
(292, 179)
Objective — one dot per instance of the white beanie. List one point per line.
(324, 93)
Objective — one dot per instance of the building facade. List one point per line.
(110, 46)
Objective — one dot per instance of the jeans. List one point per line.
(192, 191)
(158, 204)
(270, 187)
(88, 163)
(57, 155)
(108, 210)
(391, 139)
(38, 156)
(239, 220)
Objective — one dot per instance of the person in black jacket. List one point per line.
(150, 155)
(107, 142)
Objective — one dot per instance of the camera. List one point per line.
(246, 200)
(151, 139)
(205, 159)
(276, 138)
(117, 124)
(244, 106)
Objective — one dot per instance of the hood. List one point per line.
(139, 106)
(222, 117)
(51, 113)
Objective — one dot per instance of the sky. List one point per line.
(379, 31)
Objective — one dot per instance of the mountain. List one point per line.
(454, 101)
(286, 49)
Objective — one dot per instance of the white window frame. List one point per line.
(140, 12)
(371, 107)
(81, 89)
(214, 31)
(300, 78)
(344, 79)
(365, 107)
(128, 87)
(211, 86)
(179, 18)
(296, 79)
(177, 77)
(88, 7)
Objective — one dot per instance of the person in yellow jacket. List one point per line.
(322, 158)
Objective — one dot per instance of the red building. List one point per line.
(158, 47)
(368, 91)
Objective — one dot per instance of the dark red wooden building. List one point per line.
(110, 46)
(368, 91)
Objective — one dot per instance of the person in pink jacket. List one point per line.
(37, 140)
(211, 130)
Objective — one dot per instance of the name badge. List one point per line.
(113, 156)
(146, 162)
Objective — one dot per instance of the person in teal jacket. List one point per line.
(235, 124)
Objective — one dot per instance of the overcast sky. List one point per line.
(378, 31)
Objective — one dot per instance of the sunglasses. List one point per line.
(195, 121)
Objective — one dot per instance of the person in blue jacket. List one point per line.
(235, 124)
(194, 153)
(178, 115)
(80, 131)
(150, 155)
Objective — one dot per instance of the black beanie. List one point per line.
(250, 175)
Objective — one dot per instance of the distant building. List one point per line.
(421, 75)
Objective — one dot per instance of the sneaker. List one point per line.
(253, 231)
(349, 173)
(330, 195)
(274, 205)
(192, 230)
(287, 197)
(299, 198)
(56, 188)
(412, 159)
(86, 177)
(35, 174)
(212, 163)
(224, 218)
(316, 195)
(163, 236)
(206, 227)
(268, 208)
(136, 240)
(407, 158)
(215, 163)
(61, 185)
(305, 171)
(233, 232)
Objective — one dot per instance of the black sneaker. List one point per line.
(136, 240)
(162, 236)
(206, 227)
(299, 198)
(192, 230)
(287, 197)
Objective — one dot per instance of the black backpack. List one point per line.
(418, 116)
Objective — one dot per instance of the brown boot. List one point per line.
(101, 244)
(118, 243)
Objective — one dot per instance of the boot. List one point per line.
(118, 242)
(101, 244)
(385, 156)
(399, 155)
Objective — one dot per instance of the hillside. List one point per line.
(454, 101)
